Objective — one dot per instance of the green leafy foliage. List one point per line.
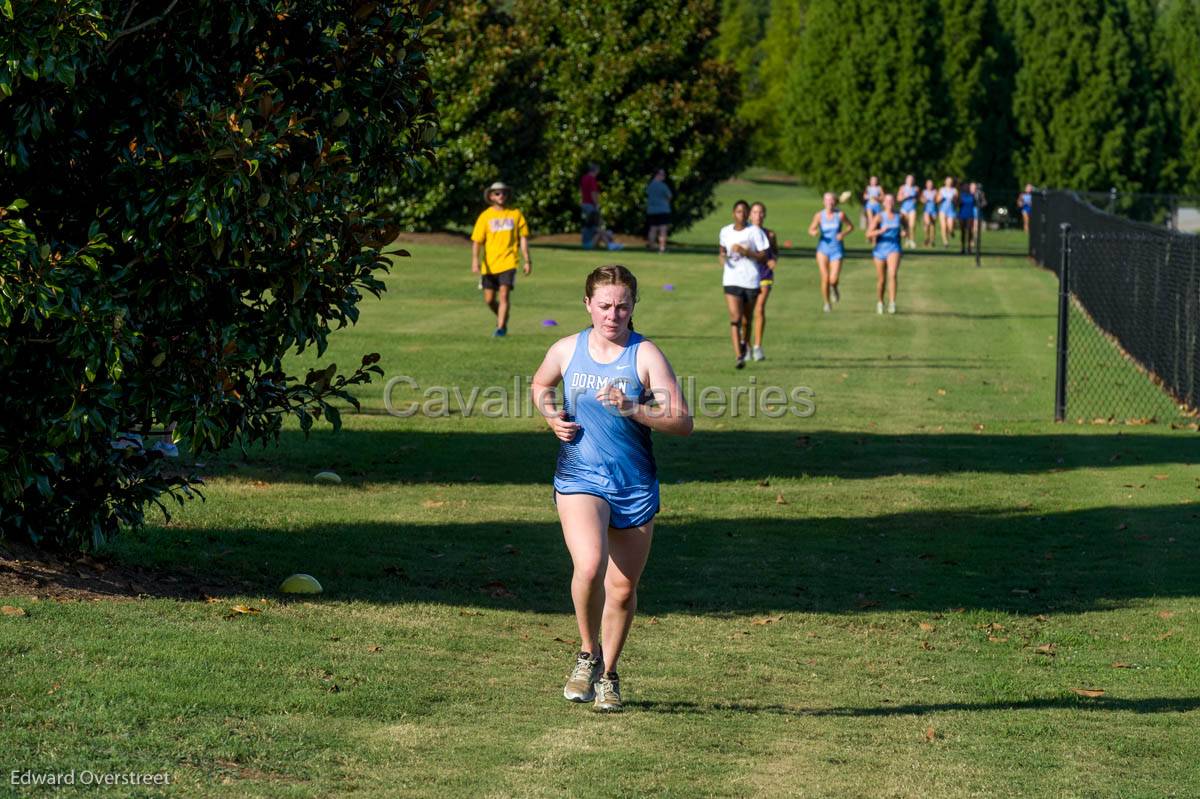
(1087, 97)
(1180, 38)
(859, 105)
(530, 91)
(189, 193)
(977, 72)
(766, 94)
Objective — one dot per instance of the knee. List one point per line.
(588, 574)
(620, 592)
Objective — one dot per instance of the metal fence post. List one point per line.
(1064, 308)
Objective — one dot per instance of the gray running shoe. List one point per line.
(581, 682)
(757, 354)
(608, 693)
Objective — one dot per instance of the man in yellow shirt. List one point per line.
(498, 231)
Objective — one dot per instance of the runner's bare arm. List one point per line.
(670, 412)
(546, 379)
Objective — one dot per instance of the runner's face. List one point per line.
(828, 199)
(611, 308)
(499, 197)
(757, 215)
(739, 214)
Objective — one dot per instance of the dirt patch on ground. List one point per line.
(29, 572)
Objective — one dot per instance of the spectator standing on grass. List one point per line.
(658, 211)
(968, 217)
(498, 234)
(589, 204)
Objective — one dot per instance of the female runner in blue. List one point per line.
(947, 200)
(617, 387)
(929, 197)
(886, 234)
(871, 196)
(1025, 202)
(968, 217)
(832, 226)
(906, 195)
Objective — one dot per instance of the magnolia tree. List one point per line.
(188, 191)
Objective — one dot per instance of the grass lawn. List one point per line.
(904, 594)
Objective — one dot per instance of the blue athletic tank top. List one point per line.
(610, 451)
(966, 205)
(889, 230)
(930, 198)
(873, 192)
(830, 227)
(1026, 200)
(906, 192)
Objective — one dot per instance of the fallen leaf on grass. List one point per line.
(1088, 692)
(374, 648)
(993, 639)
(433, 503)
(740, 634)
(1165, 614)
(1042, 617)
(779, 500)
(766, 620)
(570, 642)
(1119, 665)
(928, 647)
(926, 626)
(652, 620)
(1166, 635)
(241, 610)
(1162, 476)
(469, 613)
(1047, 649)
(941, 392)
(9, 610)
(930, 734)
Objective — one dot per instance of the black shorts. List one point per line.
(657, 220)
(506, 278)
(746, 295)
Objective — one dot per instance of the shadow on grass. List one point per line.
(1103, 703)
(994, 559)
(363, 457)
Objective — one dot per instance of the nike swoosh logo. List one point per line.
(625, 366)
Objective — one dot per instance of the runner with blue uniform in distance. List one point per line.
(832, 226)
(886, 233)
(871, 196)
(947, 200)
(906, 195)
(929, 197)
(1025, 201)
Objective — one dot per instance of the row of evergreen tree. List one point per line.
(1086, 94)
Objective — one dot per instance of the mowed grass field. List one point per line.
(924, 589)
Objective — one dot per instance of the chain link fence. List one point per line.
(1129, 313)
